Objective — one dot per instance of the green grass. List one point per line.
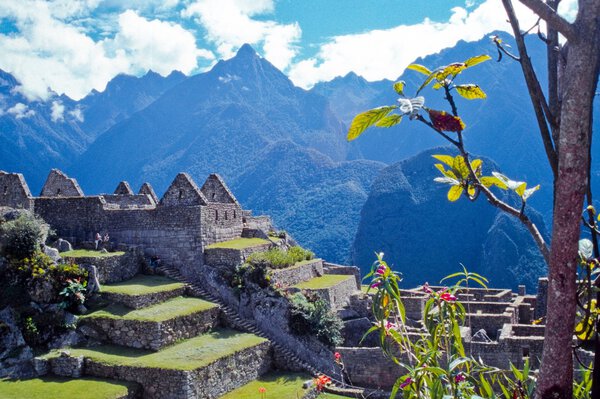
(142, 284)
(60, 388)
(326, 281)
(85, 253)
(167, 310)
(189, 354)
(239, 243)
(278, 386)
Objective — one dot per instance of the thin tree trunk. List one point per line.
(581, 77)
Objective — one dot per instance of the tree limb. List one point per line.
(551, 17)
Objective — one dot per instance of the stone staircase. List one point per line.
(173, 346)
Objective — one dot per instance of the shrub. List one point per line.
(278, 259)
(21, 237)
(309, 314)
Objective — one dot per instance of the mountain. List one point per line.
(423, 235)
(312, 197)
(501, 127)
(124, 95)
(34, 135)
(211, 122)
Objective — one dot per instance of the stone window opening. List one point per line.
(225, 215)
(525, 351)
(234, 214)
(216, 214)
(58, 191)
(213, 195)
(5, 190)
(180, 194)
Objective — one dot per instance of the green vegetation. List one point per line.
(21, 238)
(277, 259)
(60, 388)
(189, 354)
(326, 281)
(85, 253)
(309, 314)
(238, 243)
(143, 284)
(276, 385)
(167, 310)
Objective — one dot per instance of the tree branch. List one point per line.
(551, 17)
(540, 106)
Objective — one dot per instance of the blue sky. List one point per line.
(74, 46)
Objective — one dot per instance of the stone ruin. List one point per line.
(180, 227)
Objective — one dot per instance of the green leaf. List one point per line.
(436, 86)
(362, 121)
(419, 68)
(447, 159)
(454, 193)
(460, 166)
(477, 60)
(520, 190)
(389, 121)
(489, 181)
(369, 331)
(470, 91)
(476, 164)
(399, 87)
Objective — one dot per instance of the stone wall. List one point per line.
(150, 334)
(120, 201)
(332, 268)
(14, 192)
(338, 295)
(142, 301)
(369, 367)
(113, 269)
(60, 185)
(298, 273)
(228, 258)
(221, 222)
(210, 382)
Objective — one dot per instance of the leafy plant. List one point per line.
(309, 314)
(277, 259)
(73, 294)
(21, 237)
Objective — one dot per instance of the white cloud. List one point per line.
(49, 52)
(20, 111)
(568, 9)
(380, 54)
(58, 111)
(229, 24)
(77, 114)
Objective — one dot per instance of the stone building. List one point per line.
(176, 227)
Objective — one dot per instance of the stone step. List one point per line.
(335, 289)
(142, 291)
(156, 326)
(206, 366)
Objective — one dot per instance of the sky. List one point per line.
(73, 46)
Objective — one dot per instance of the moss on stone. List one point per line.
(85, 253)
(189, 354)
(167, 310)
(238, 243)
(323, 282)
(61, 388)
(142, 284)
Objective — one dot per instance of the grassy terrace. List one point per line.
(141, 284)
(278, 385)
(85, 253)
(167, 310)
(59, 388)
(238, 243)
(189, 354)
(326, 281)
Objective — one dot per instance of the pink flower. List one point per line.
(389, 324)
(406, 383)
(380, 270)
(447, 297)
(376, 284)
(426, 288)
(337, 357)
(460, 377)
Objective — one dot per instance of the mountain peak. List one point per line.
(246, 51)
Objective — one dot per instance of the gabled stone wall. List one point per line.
(14, 191)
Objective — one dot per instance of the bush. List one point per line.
(309, 314)
(21, 238)
(278, 259)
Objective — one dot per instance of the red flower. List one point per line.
(406, 383)
(262, 390)
(376, 284)
(321, 381)
(444, 121)
(447, 297)
(460, 377)
(337, 357)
